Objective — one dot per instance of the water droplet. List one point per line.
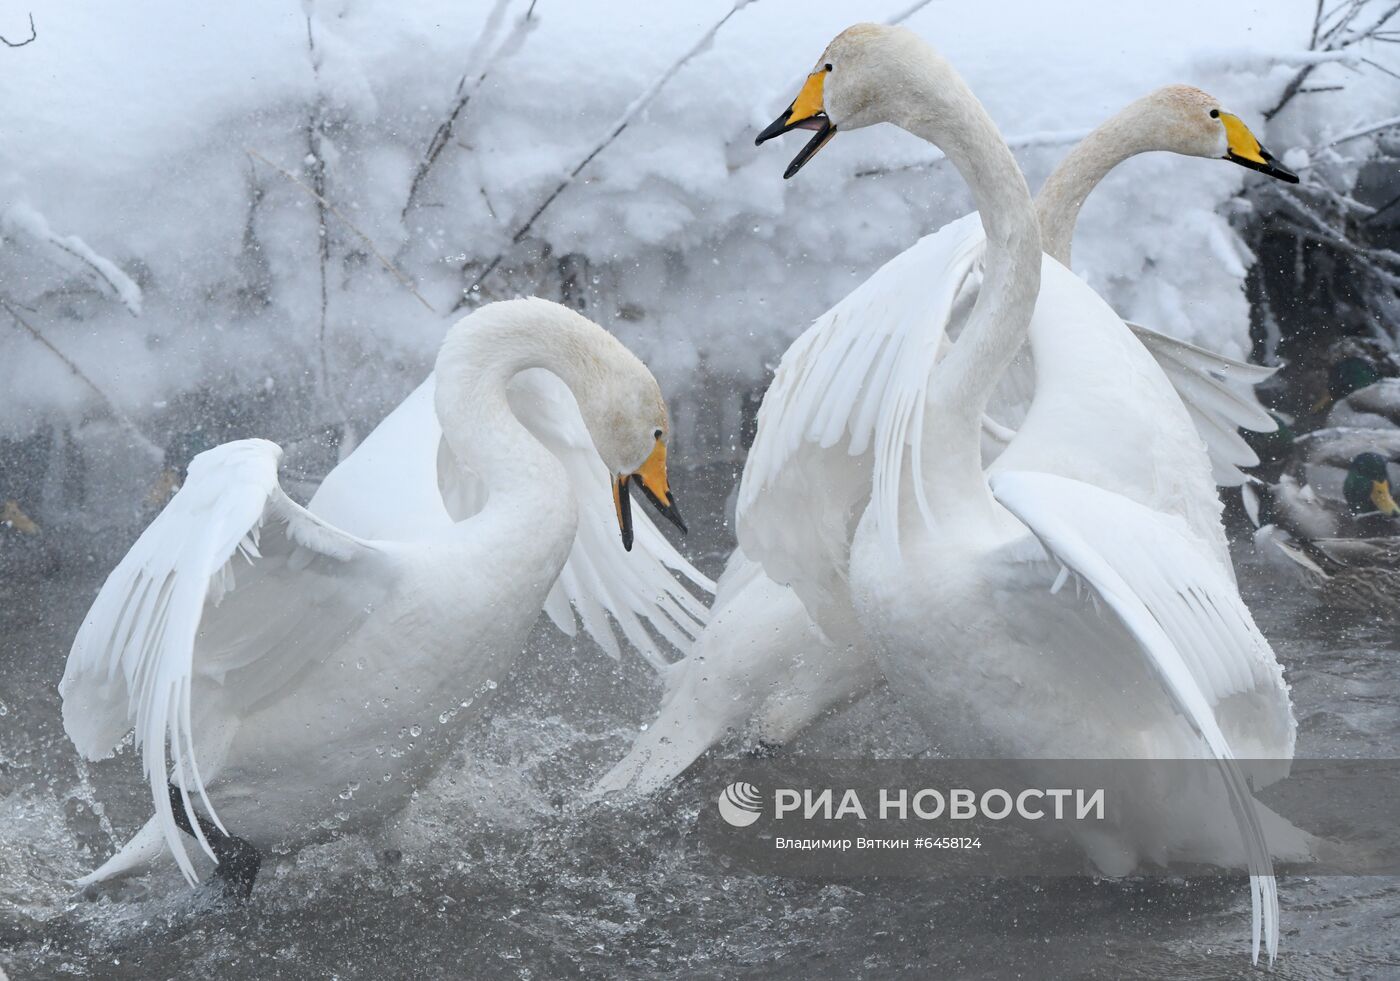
(388, 777)
(415, 730)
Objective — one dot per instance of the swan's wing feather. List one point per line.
(839, 415)
(404, 483)
(642, 590)
(231, 565)
(1195, 633)
(1219, 394)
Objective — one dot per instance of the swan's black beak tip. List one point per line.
(777, 127)
(1270, 167)
(666, 509)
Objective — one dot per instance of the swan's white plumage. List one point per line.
(1219, 394)
(403, 483)
(276, 649)
(846, 408)
(132, 663)
(1191, 626)
(830, 432)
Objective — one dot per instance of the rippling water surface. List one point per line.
(496, 870)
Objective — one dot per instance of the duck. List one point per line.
(1346, 549)
(1358, 397)
(284, 677)
(1335, 476)
(763, 667)
(956, 573)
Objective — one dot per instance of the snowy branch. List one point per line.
(1332, 35)
(616, 130)
(467, 88)
(23, 218)
(33, 35)
(142, 440)
(369, 243)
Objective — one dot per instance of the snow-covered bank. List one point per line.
(149, 235)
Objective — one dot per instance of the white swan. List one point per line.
(307, 678)
(957, 580)
(762, 665)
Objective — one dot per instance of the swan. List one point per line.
(306, 677)
(957, 574)
(762, 664)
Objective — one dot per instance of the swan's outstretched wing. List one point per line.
(231, 566)
(842, 408)
(1192, 628)
(1218, 392)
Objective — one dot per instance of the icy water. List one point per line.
(495, 869)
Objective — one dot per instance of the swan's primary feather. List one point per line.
(1219, 393)
(229, 540)
(1191, 626)
(828, 434)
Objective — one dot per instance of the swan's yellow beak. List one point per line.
(1380, 497)
(651, 476)
(1245, 149)
(806, 112)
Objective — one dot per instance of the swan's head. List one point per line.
(617, 396)
(1367, 486)
(851, 85)
(1186, 120)
(630, 429)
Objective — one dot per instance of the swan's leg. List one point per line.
(239, 860)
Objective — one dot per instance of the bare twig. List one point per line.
(317, 163)
(1022, 142)
(908, 12)
(467, 88)
(369, 243)
(1328, 35)
(616, 130)
(19, 44)
(142, 440)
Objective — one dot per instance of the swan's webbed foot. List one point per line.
(238, 858)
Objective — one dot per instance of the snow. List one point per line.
(195, 267)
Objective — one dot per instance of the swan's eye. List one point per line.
(827, 67)
(1215, 114)
(658, 434)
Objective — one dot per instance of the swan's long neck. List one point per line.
(942, 109)
(528, 490)
(1065, 190)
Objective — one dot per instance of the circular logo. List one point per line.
(740, 804)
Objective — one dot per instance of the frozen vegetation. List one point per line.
(263, 216)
